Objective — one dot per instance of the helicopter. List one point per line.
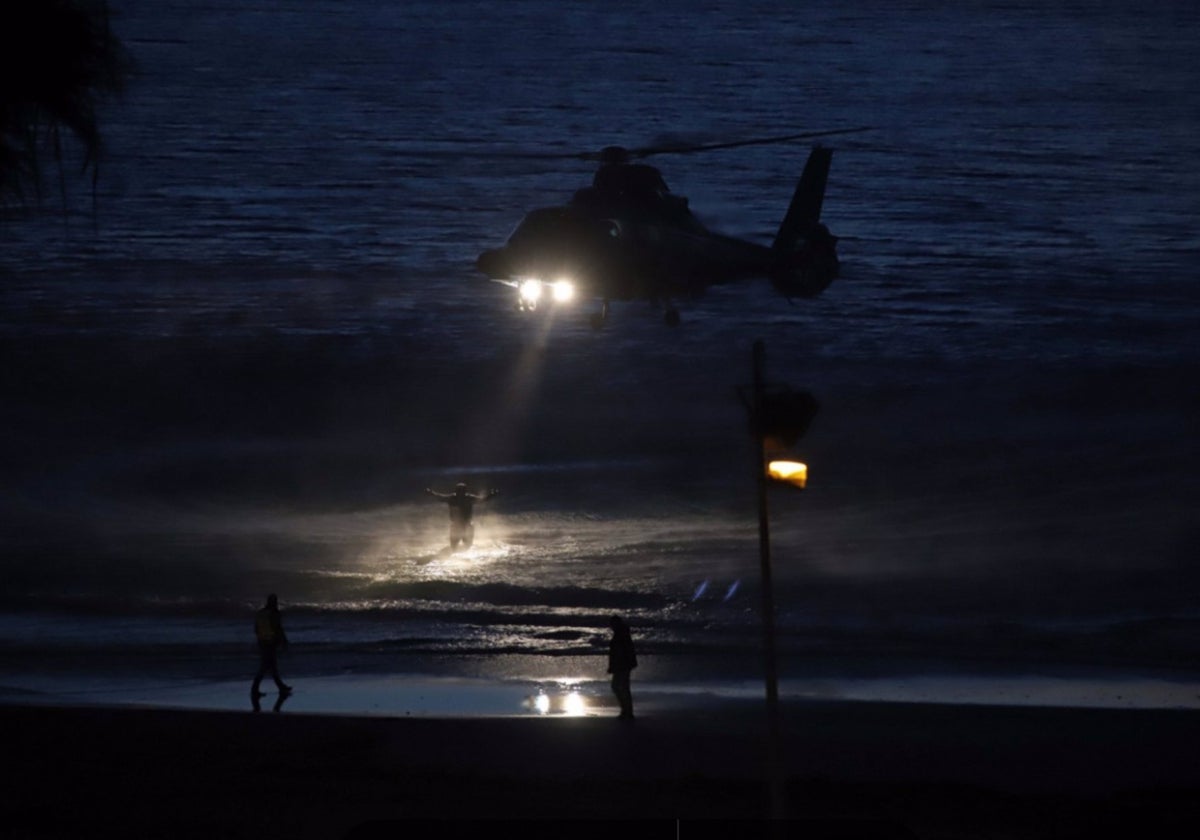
(628, 237)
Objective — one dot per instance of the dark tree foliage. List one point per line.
(58, 59)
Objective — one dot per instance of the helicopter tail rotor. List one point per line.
(808, 270)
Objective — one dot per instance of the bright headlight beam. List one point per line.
(530, 290)
(563, 290)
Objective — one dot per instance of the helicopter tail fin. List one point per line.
(805, 210)
(805, 250)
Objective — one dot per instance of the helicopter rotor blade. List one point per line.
(490, 155)
(647, 151)
(610, 153)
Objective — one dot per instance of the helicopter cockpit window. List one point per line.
(543, 222)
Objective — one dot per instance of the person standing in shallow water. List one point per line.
(462, 509)
(268, 629)
(622, 659)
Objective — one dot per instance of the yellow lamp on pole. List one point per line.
(794, 473)
(779, 417)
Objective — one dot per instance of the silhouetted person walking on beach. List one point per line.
(462, 508)
(621, 661)
(268, 629)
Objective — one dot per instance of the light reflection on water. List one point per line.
(419, 696)
(473, 561)
(565, 699)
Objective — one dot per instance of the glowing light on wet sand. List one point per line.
(574, 705)
(567, 702)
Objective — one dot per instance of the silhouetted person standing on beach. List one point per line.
(268, 629)
(621, 661)
(462, 509)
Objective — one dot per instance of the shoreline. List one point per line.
(445, 693)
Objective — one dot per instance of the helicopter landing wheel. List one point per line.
(671, 317)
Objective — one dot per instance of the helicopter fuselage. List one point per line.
(627, 237)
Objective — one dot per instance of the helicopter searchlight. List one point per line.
(562, 290)
(531, 290)
(627, 237)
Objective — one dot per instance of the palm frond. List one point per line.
(58, 60)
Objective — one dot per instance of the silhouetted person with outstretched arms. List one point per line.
(462, 509)
(621, 661)
(268, 629)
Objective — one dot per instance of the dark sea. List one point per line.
(235, 367)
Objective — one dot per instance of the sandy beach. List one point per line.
(852, 769)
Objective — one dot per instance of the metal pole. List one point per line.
(774, 757)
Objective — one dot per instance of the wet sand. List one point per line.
(851, 769)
